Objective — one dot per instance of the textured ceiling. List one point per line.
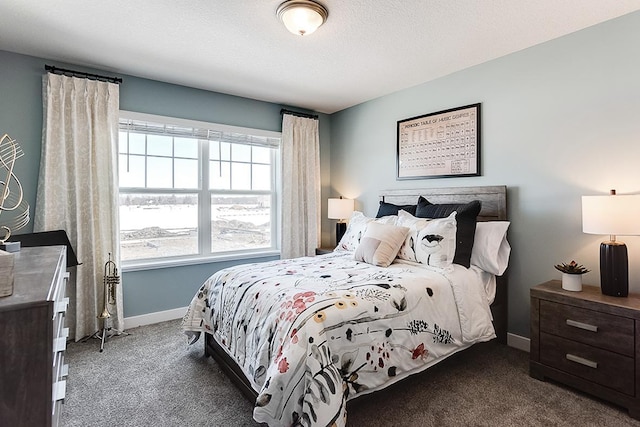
(366, 49)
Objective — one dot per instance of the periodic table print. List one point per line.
(441, 144)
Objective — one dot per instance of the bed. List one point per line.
(302, 337)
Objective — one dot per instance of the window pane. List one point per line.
(158, 225)
(186, 147)
(186, 173)
(159, 172)
(240, 222)
(225, 151)
(122, 142)
(131, 171)
(261, 155)
(219, 176)
(240, 176)
(214, 150)
(240, 153)
(261, 177)
(159, 145)
(219, 150)
(136, 144)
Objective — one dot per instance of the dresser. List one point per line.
(33, 339)
(588, 341)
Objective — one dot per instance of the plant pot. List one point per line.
(572, 282)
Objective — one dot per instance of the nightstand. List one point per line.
(588, 341)
(322, 251)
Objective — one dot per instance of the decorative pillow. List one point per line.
(356, 229)
(491, 249)
(386, 209)
(466, 218)
(430, 241)
(380, 243)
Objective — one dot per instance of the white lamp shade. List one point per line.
(340, 208)
(302, 17)
(614, 215)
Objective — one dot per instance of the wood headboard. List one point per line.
(493, 198)
(494, 208)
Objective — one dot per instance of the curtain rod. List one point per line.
(64, 71)
(297, 114)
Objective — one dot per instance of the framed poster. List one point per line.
(441, 144)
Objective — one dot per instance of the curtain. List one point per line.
(78, 189)
(300, 154)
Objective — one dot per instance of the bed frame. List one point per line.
(494, 208)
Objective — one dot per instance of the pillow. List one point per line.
(429, 241)
(356, 229)
(491, 249)
(386, 209)
(380, 243)
(465, 220)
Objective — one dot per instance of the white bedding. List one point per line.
(312, 333)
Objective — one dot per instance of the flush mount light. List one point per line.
(302, 17)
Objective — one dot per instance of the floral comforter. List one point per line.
(311, 333)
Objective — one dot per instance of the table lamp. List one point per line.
(612, 215)
(340, 209)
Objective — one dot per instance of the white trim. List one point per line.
(519, 342)
(151, 318)
(139, 265)
(194, 123)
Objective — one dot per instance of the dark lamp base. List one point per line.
(341, 228)
(614, 269)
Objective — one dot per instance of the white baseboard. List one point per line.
(516, 341)
(151, 318)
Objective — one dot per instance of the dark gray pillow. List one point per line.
(386, 209)
(466, 218)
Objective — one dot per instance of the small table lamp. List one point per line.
(613, 215)
(340, 209)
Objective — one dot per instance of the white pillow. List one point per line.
(491, 249)
(429, 241)
(356, 229)
(380, 243)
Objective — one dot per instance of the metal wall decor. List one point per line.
(441, 144)
(14, 210)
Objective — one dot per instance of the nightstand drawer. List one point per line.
(595, 328)
(600, 366)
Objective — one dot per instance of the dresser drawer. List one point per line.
(594, 364)
(598, 329)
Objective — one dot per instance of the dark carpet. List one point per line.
(153, 378)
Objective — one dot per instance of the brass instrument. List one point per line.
(110, 282)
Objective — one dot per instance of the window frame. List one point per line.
(205, 194)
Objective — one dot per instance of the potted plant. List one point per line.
(572, 275)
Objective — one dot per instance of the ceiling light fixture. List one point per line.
(302, 17)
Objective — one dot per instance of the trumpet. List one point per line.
(110, 282)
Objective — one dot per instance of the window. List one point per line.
(195, 190)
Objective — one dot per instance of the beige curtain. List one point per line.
(300, 153)
(78, 188)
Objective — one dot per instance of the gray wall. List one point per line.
(560, 120)
(21, 117)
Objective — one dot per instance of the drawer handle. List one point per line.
(580, 325)
(59, 391)
(582, 361)
(61, 306)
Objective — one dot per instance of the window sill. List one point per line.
(141, 265)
